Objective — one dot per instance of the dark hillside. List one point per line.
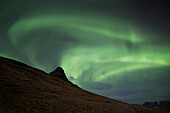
(24, 89)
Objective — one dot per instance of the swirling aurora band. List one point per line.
(82, 29)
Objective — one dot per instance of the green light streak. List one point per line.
(78, 24)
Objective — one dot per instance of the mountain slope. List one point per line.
(24, 89)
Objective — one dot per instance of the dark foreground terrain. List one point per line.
(24, 89)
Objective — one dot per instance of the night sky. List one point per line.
(115, 48)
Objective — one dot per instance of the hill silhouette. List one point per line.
(24, 89)
(59, 73)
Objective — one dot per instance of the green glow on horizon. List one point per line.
(113, 64)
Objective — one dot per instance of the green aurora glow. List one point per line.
(106, 55)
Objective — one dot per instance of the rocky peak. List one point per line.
(59, 72)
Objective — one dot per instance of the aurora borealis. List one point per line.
(103, 45)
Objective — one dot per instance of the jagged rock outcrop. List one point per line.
(59, 72)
